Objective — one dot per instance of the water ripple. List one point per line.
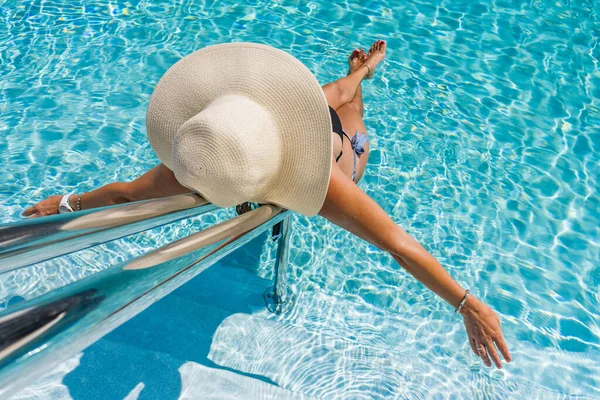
(483, 124)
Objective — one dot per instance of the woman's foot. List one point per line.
(375, 56)
(356, 60)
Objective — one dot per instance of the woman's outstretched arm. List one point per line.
(349, 207)
(158, 182)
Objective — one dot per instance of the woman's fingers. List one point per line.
(33, 212)
(28, 212)
(482, 352)
(501, 344)
(473, 344)
(491, 349)
(48, 206)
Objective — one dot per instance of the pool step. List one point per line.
(162, 352)
(115, 370)
(316, 363)
(328, 348)
(214, 335)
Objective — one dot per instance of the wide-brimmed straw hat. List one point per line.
(243, 122)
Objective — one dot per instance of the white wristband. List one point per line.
(64, 206)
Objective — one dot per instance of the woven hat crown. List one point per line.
(240, 122)
(230, 151)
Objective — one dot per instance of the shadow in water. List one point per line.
(150, 348)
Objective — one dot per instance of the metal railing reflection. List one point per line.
(31, 241)
(39, 334)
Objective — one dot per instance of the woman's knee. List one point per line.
(337, 95)
(356, 106)
(351, 117)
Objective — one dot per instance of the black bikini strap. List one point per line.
(341, 137)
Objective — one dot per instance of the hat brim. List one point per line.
(275, 80)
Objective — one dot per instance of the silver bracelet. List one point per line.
(462, 302)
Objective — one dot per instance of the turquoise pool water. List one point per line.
(485, 146)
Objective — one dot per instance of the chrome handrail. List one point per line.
(39, 334)
(31, 241)
(279, 298)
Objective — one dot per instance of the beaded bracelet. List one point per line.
(462, 302)
(79, 201)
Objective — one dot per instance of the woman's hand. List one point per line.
(485, 334)
(44, 207)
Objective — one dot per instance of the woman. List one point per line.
(228, 119)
